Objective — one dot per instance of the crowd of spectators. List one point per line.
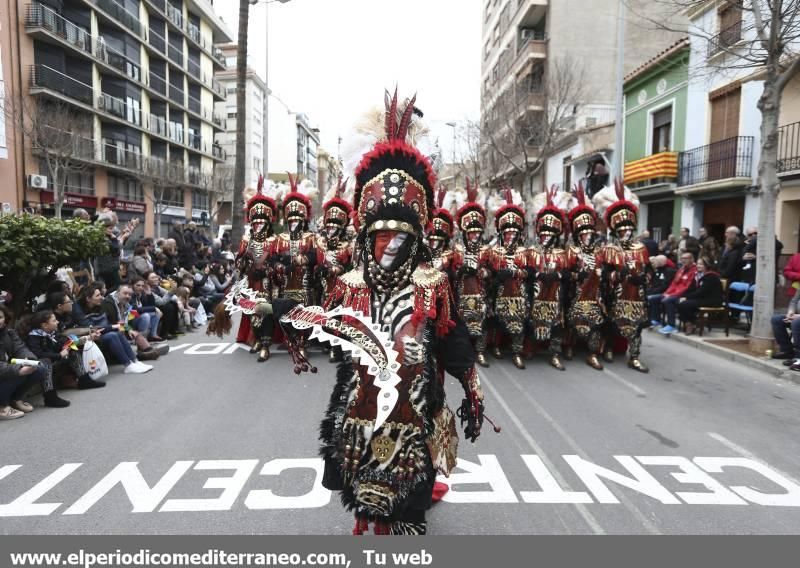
(129, 305)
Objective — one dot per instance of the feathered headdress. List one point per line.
(471, 216)
(582, 217)
(549, 217)
(510, 214)
(442, 223)
(296, 205)
(394, 181)
(257, 204)
(336, 209)
(618, 205)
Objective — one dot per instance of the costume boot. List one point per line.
(635, 363)
(609, 356)
(555, 362)
(518, 362)
(263, 353)
(594, 362)
(496, 352)
(256, 347)
(481, 358)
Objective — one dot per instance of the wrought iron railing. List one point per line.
(725, 39)
(45, 77)
(119, 13)
(731, 158)
(789, 148)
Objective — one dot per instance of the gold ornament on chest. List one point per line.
(382, 448)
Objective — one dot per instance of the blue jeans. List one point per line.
(116, 342)
(654, 307)
(670, 304)
(147, 324)
(14, 388)
(780, 330)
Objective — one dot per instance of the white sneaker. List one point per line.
(144, 365)
(136, 368)
(8, 413)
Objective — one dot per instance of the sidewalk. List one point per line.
(733, 348)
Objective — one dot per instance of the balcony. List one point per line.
(121, 15)
(217, 151)
(40, 17)
(47, 78)
(218, 121)
(218, 56)
(532, 100)
(725, 39)
(175, 55)
(789, 149)
(118, 107)
(529, 49)
(158, 84)
(195, 106)
(194, 70)
(157, 125)
(218, 89)
(115, 155)
(67, 143)
(175, 15)
(157, 41)
(176, 95)
(195, 142)
(175, 132)
(724, 164)
(663, 165)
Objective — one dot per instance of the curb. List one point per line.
(747, 360)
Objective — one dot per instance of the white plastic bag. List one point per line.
(200, 316)
(93, 361)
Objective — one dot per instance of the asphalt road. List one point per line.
(211, 442)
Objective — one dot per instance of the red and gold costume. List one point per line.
(628, 263)
(586, 313)
(508, 261)
(440, 233)
(332, 241)
(470, 268)
(547, 262)
(388, 430)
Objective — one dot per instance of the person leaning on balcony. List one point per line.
(786, 329)
(679, 286)
(730, 261)
(705, 291)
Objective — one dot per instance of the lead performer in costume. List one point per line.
(388, 430)
(547, 261)
(439, 234)
(471, 272)
(508, 260)
(586, 313)
(628, 263)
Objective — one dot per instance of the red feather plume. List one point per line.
(580, 193)
(472, 191)
(440, 194)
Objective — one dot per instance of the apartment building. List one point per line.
(255, 125)
(141, 75)
(525, 44)
(293, 142)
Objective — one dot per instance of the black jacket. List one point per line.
(731, 260)
(11, 346)
(707, 291)
(662, 278)
(44, 346)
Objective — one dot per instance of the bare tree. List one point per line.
(763, 40)
(526, 121)
(161, 176)
(470, 135)
(218, 187)
(56, 132)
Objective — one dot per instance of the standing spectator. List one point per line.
(688, 243)
(141, 263)
(710, 249)
(176, 234)
(15, 380)
(750, 252)
(88, 312)
(108, 264)
(680, 284)
(187, 254)
(165, 301)
(730, 260)
(650, 244)
(62, 308)
(171, 252)
(788, 345)
(670, 248)
(82, 272)
(663, 275)
(702, 235)
(704, 292)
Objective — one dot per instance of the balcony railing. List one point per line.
(195, 105)
(217, 151)
(157, 83)
(157, 41)
(79, 147)
(175, 132)
(115, 155)
(789, 148)
(194, 69)
(731, 158)
(176, 95)
(119, 13)
(44, 77)
(217, 87)
(219, 56)
(218, 120)
(39, 16)
(725, 39)
(175, 15)
(157, 125)
(175, 55)
(118, 107)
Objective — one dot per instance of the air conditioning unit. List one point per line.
(37, 181)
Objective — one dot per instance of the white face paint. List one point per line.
(546, 239)
(293, 225)
(586, 238)
(625, 235)
(390, 253)
(474, 236)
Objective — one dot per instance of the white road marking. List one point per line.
(578, 450)
(628, 384)
(594, 525)
(749, 455)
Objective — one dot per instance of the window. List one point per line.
(662, 130)
(230, 90)
(199, 201)
(173, 196)
(730, 24)
(125, 189)
(133, 111)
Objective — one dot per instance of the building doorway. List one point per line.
(720, 214)
(659, 219)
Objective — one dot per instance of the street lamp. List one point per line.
(453, 126)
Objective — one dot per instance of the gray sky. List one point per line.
(332, 59)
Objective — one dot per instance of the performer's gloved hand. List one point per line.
(471, 415)
(505, 274)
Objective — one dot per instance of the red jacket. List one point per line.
(792, 273)
(683, 279)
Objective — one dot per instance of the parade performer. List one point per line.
(471, 272)
(252, 262)
(508, 261)
(547, 261)
(333, 242)
(627, 263)
(439, 234)
(586, 314)
(388, 430)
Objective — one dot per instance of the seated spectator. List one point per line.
(164, 300)
(704, 292)
(792, 274)
(15, 380)
(42, 341)
(140, 264)
(663, 274)
(211, 286)
(677, 288)
(710, 249)
(62, 308)
(117, 306)
(149, 314)
(782, 325)
(185, 309)
(88, 312)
